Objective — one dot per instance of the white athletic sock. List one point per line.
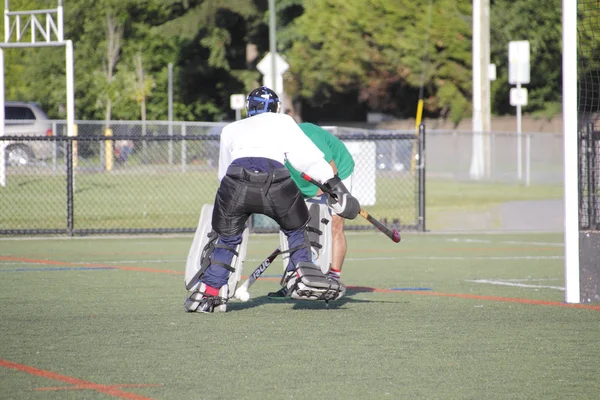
(335, 273)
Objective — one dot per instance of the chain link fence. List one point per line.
(589, 177)
(128, 177)
(527, 158)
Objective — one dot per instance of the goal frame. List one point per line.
(35, 28)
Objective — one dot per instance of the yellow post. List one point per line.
(75, 152)
(108, 150)
(413, 162)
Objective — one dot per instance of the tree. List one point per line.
(139, 86)
(212, 37)
(541, 26)
(342, 47)
(114, 33)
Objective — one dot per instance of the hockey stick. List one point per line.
(241, 292)
(391, 233)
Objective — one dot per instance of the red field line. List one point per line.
(479, 297)
(79, 384)
(364, 288)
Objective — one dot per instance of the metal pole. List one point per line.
(485, 84)
(170, 112)
(183, 148)
(421, 169)
(60, 19)
(55, 152)
(70, 181)
(519, 136)
(70, 77)
(477, 162)
(272, 44)
(70, 88)
(527, 159)
(6, 21)
(2, 117)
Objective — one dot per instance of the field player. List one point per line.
(254, 180)
(342, 163)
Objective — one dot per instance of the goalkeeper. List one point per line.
(342, 163)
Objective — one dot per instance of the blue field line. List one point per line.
(411, 288)
(271, 276)
(56, 269)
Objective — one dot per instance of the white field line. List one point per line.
(467, 240)
(524, 285)
(499, 258)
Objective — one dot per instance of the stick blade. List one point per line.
(396, 236)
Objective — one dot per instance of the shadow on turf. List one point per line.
(307, 304)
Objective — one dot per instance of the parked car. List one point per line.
(26, 119)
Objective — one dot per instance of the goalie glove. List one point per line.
(340, 200)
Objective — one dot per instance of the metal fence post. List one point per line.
(492, 168)
(421, 169)
(183, 147)
(55, 152)
(69, 161)
(170, 131)
(527, 159)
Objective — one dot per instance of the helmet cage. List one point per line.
(262, 100)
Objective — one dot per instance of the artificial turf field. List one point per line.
(453, 316)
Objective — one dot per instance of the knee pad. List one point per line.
(319, 235)
(202, 247)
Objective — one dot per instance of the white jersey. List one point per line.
(274, 136)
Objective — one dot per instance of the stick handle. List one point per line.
(391, 233)
(260, 269)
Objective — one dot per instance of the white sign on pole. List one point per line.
(518, 97)
(237, 101)
(265, 67)
(518, 62)
(492, 72)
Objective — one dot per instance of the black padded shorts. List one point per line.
(244, 192)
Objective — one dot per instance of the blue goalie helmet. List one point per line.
(262, 100)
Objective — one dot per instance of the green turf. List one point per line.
(127, 326)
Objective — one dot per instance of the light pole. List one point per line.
(272, 43)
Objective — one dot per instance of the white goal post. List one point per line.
(35, 28)
(571, 170)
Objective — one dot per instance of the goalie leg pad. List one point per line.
(193, 267)
(205, 240)
(308, 282)
(319, 235)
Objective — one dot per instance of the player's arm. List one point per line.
(305, 156)
(335, 170)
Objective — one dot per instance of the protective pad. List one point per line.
(199, 301)
(319, 234)
(203, 236)
(309, 283)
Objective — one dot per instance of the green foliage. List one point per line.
(541, 25)
(343, 46)
(381, 55)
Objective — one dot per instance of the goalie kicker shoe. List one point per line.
(308, 282)
(201, 301)
(278, 295)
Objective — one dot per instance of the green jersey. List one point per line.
(332, 147)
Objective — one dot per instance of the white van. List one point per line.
(26, 119)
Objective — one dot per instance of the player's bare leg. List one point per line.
(339, 246)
